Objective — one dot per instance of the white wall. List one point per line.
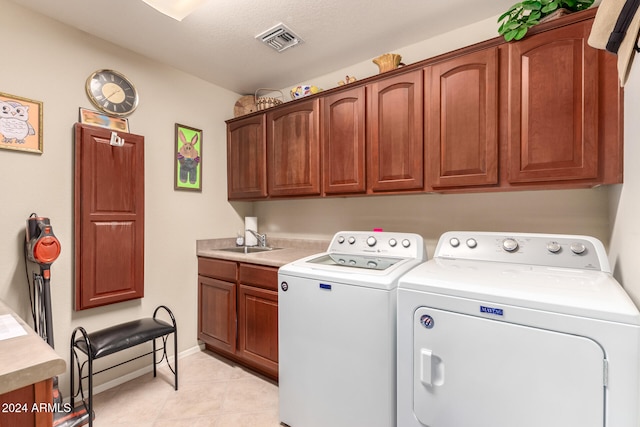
(625, 200)
(49, 62)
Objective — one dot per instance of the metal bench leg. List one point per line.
(154, 358)
(164, 345)
(74, 358)
(175, 355)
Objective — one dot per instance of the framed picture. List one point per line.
(20, 123)
(95, 118)
(188, 158)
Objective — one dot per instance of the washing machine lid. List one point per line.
(362, 258)
(585, 293)
(324, 267)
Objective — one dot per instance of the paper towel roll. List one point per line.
(250, 223)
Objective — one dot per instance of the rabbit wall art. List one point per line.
(188, 156)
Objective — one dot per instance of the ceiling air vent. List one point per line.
(279, 38)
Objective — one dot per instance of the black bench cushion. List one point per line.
(119, 337)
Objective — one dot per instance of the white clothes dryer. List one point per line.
(337, 330)
(517, 330)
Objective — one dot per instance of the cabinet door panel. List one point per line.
(247, 159)
(553, 117)
(259, 275)
(343, 139)
(462, 120)
(293, 143)
(258, 326)
(109, 217)
(395, 140)
(217, 313)
(218, 269)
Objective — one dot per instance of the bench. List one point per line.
(117, 338)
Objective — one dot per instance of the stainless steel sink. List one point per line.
(248, 249)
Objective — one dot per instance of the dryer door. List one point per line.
(473, 371)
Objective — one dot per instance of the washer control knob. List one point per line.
(341, 239)
(393, 243)
(510, 245)
(352, 262)
(454, 242)
(578, 248)
(372, 264)
(371, 241)
(406, 243)
(351, 240)
(553, 247)
(472, 243)
(341, 261)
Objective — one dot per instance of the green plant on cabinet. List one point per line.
(516, 21)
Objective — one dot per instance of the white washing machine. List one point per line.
(516, 330)
(337, 330)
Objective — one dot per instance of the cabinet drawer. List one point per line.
(218, 269)
(258, 275)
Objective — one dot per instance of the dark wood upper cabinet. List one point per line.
(109, 217)
(553, 107)
(343, 142)
(462, 120)
(247, 158)
(395, 133)
(545, 112)
(293, 149)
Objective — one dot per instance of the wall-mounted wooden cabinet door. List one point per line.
(293, 149)
(343, 142)
(462, 121)
(553, 107)
(395, 133)
(109, 217)
(247, 158)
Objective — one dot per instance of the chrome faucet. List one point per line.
(262, 238)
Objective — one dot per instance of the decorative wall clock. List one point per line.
(112, 92)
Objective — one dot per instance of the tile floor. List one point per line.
(212, 392)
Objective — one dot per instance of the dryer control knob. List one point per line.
(578, 248)
(553, 247)
(510, 245)
(341, 239)
(372, 264)
(393, 243)
(352, 262)
(472, 243)
(371, 241)
(351, 240)
(454, 242)
(406, 243)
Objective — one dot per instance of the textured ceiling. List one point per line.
(217, 42)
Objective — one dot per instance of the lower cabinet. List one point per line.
(238, 312)
(18, 406)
